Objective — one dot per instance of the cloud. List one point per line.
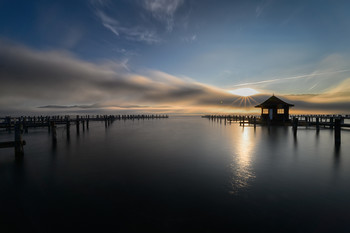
(53, 79)
(163, 10)
(314, 74)
(147, 22)
(137, 33)
(71, 106)
(190, 39)
(97, 3)
(261, 7)
(338, 94)
(33, 80)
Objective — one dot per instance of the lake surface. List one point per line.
(182, 174)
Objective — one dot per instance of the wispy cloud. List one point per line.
(103, 3)
(70, 106)
(260, 8)
(144, 26)
(137, 33)
(163, 10)
(54, 78)
(125, 52)
(190, 39)
(290, 78)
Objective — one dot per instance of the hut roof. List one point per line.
(273, 102)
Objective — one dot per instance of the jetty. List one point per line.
(275, 111)
(22, 124)
(333, 122)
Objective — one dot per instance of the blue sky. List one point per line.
(285, 47)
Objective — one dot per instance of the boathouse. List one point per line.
(274, 110)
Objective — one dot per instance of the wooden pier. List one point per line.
(242, 119)
(333, 122)
(18, 143)
(327, 121)
(21, 125)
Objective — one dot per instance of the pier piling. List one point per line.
(68, 127)
(337, 129)
(83, 122)
(18, 141)
(254, 122)
(54, 133)
(317, 123)
(77, 124)
(295, 125)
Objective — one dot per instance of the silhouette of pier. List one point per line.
(21, 125)
(333, 122)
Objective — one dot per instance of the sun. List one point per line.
(245, 92)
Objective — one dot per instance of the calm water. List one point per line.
(182, 174)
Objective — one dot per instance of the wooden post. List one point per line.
(254, 122)
(48, 122)
(8, 123)
(331, 123)
(18, 141)
(317, 124)
(77, 124)
(54, 133)
(68, 127)
(87, 122)
(25, 126)
(337, 132)
(295, 125)
(83, 122)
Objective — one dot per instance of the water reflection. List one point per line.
(243, 150)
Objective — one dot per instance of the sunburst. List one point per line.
(245, 96)
(245, 101)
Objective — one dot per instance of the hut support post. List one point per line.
(295, 125)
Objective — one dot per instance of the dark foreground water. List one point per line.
(176, 175)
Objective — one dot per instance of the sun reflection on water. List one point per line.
(242, 161)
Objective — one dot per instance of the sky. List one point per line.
(173, 56)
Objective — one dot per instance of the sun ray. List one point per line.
(236, 100)
(248, 100)
(242, 100)
(253, 100)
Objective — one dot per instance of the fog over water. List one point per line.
(182, 174)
